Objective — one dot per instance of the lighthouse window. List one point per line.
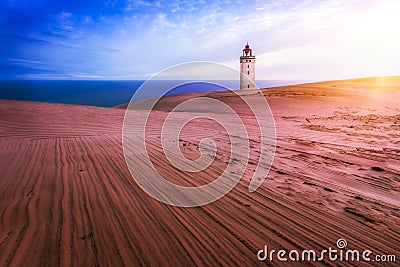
(248, 66)
(248, 72)
(248, 86)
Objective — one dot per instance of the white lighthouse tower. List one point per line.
(247, 69)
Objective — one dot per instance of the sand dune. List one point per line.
(67, 197)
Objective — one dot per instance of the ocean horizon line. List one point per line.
(108, 93)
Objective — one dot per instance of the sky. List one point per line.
(133, 39)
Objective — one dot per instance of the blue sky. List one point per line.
(132, 39)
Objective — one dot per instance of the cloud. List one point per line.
(62, 24)
(135, 5)
(111, 3)
(162, 22)
(27, 62)
(65, 21)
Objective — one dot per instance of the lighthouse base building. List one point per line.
(247, 69)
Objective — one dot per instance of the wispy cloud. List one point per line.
(62, 24)
(162, 22)
(136, 5)
(27, 62)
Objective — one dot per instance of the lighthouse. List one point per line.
(247, 69)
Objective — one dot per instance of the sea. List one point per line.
(103, 93)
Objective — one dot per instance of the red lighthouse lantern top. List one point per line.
(247, 51)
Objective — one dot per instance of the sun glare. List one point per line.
(380, 22)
